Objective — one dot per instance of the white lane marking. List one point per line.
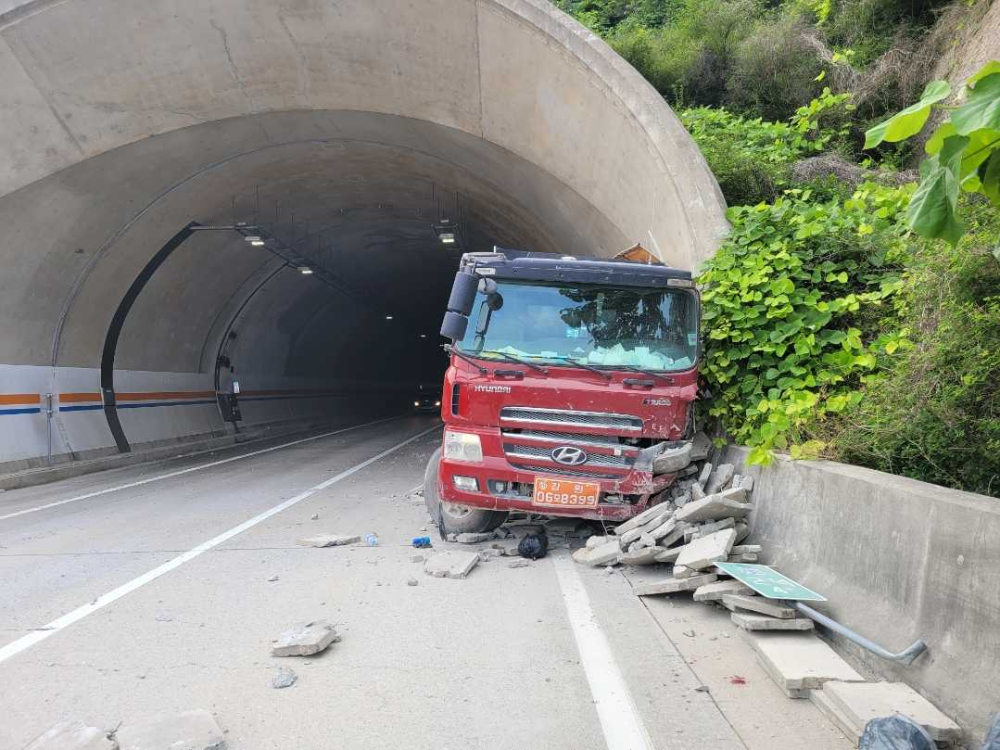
(26, 642)
(620, 721)
(181, 472)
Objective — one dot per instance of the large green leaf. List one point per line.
(909, 121)
(931, 212)
(993, 66)
(989, 178)
(981, 109)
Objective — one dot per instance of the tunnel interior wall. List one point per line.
(347, 131)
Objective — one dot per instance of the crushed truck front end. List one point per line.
(570, 387)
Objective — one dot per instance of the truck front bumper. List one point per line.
(501, 487)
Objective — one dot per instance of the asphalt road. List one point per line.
(125, 594)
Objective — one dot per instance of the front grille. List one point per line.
(567, 418)
(530, 435)
(526, 453)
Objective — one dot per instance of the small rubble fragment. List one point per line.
(329, 540)
(189, 730)
(412, 582)
(672, 459)
(451, 564)
(73, 735)
(701, 446)
(283, 679)
(519, 563)
(417, 558)
(305, 639)
(742, 549)
(272, 579)
(597, 540)
(706, 472)
(762, 622)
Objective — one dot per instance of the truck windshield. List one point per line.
(600, 326)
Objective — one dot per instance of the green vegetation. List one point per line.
(836, 322)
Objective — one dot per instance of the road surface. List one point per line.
(146, 590)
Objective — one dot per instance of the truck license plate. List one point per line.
(565, 493)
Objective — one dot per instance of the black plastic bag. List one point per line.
(895, 733)
(534, 546)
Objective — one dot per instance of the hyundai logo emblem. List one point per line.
(568, 455)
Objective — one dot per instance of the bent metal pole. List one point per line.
(905, 657)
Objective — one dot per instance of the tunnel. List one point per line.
(200, 197)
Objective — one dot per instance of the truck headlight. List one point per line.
(462, 446)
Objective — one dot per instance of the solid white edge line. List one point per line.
(27, 641)
(181, 472)
(620, 721)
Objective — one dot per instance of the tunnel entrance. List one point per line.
(352, 140)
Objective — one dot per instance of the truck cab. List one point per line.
(569, 391)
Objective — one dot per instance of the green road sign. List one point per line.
(770, 583)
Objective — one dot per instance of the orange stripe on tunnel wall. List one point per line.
(79, 398)
(20, 398)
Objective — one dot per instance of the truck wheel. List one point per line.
(457, 519)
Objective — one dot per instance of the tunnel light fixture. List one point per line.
(388, 317)
(254, 240)
(423, 335)
(305, 270)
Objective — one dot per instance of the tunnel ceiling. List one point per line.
(345, 131)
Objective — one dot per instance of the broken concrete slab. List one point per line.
(643, 518)
(329, 540)
(189, 730)
(697, 492)
(673, 459)
(746, 557)
(603, 555)
(719, 478)
(652, 525)
(706, 472)
(305, 639)
(597, 540)
(674, 536)
(740, 549)
(758, 604)
(667, 555)
(474, 538)
(742, 531)
(726, 504)
(713, 592)
(705, 551)
(674, 585)
(863, 701)
(746, 484)
(663, 530)
(799, 661)
(451, 564)
(837, 717)
(708, 528)
(683, 571)
(701, 446)
(73, 735)
(762, 622)
(642, 556)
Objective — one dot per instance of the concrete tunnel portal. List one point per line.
(346, 135)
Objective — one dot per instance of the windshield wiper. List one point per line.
(454, 350)
(633, 368)
(518, 360)
(584, 366)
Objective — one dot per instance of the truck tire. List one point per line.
(456, 519)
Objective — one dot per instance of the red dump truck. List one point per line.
(570, 388)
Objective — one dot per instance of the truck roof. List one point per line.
(516, 264)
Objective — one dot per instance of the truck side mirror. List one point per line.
(454, 325)
(463, 293)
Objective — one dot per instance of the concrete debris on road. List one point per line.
(675, 585)
(799, 662)
(759, 605)
(412, 582)
(857, 703)
(285, 678)
(73, 735)
(474, 538)
(521, 562)
(609, 552)
(713, 592)
(329, 540)
(763, 622)
(705, 551)
(189, 730)
(305, 639)
(451, 564)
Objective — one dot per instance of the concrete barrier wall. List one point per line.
(899, 560)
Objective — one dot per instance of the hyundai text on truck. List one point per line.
(569, 392)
